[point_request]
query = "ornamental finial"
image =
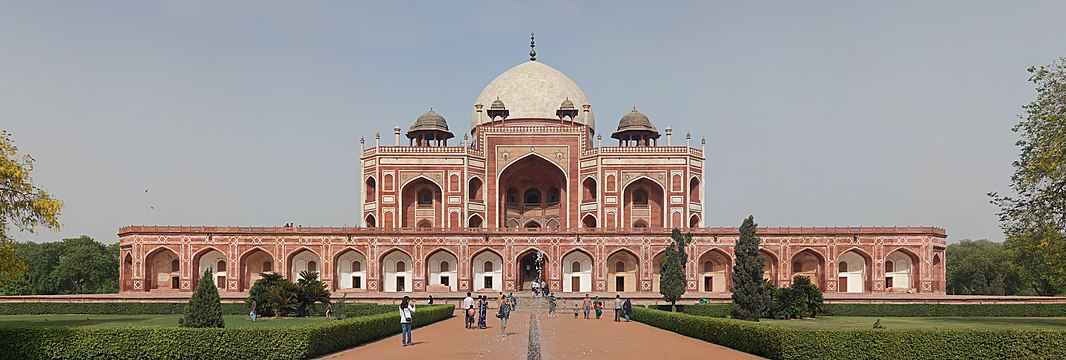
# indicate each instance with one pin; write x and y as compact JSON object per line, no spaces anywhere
{"x":532,"y":51}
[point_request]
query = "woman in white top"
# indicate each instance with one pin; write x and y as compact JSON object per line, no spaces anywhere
{"x":407,"y":309}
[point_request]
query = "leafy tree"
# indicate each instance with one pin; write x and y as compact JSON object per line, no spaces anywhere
{"x":812,"y":295}
{"x":310,"y":291}
{"x":982,"y":267}
{"x":672,"y":281}
{"x":72,"y":266}
{"x":1034,"y":220}
{"x":787,"y":303}
{"x":205,"y":307}
{"x":23,"y":206}
{"x":750,"y":298}
{"x":266,"y":302}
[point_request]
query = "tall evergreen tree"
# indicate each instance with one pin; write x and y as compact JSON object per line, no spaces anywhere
{"x":750,"y":298}
{"x":205,"y":307}
{"x":672,"y":281}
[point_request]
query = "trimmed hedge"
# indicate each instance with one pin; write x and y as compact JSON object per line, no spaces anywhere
{"x":155,"y":308}
{"x":297,"y":342}
{"x":777,"y":342}
{"x":907,"y":310}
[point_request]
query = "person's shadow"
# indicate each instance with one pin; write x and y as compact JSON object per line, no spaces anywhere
{"x":416,"y":343}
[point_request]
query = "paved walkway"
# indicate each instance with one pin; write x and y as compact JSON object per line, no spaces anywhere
{"x":562,"y":337}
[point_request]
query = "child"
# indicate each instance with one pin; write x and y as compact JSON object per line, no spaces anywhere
{"x":470,"y":315}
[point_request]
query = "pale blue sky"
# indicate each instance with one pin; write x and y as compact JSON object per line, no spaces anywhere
{"x":816,"y":113}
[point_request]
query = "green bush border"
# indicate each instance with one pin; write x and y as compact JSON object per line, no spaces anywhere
{"x":297,"y":342}
{"x":906,"y":310}
{"x":155,"y":308}
{"x":778,"y":342}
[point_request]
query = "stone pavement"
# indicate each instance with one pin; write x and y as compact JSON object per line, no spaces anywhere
{"x":562,"y":337}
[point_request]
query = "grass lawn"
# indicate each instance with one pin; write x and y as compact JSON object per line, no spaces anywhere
{"x":104,"y":321}
{"x":858,"y":322}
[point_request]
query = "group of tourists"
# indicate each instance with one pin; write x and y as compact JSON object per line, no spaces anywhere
{"x":621,"y":308}
{"x":540,"y":288}
{"x":476,"y":310}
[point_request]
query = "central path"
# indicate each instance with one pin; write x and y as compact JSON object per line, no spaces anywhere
{"x":534,"y":335}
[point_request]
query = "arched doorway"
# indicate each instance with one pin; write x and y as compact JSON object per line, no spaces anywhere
{"x":474,"y":190}
{"x":769,"y":266}
{"x":303,"y":260}
{"x":536,"y":190}
{"x":370,"y":221}
{"x":441,"y":269}
{"x":656,"y":269}
{"x":715,"y":269}
{"x":253,"y":264}
{"x":531,"y":267}
{"x":643,"y":204}
{"x":938,"y":274}
{"x":127,"y":272}
{"x":853,"y":272}
{"x":577,"y":272}
{"x":396,"y":271}
{"x":215,"y":261}
{"x":422,"y":203}
{"x":900,"y":273}
{"x":488,"y":271}
{"x":163,"y":270}
{"x":589,"y":222}
{"x":588,"y":190}
{"x":623,"y":272}
{"x":475,"y":221}
{"x":810,"y":264}
{"x":351,"y":270}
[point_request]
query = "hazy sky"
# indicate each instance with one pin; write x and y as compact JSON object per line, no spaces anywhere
{"x":249,"y":112}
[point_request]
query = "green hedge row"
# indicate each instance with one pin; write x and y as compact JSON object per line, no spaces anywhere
{"x":297,"y":342}
{"x":906,"y":310}
{"x":777,"y":342}
{"x":156,"y":308}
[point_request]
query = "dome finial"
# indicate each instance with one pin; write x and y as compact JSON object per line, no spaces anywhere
{"x":532,"y":51}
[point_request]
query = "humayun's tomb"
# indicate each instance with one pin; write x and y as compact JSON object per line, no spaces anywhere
{"x":533,"y":183}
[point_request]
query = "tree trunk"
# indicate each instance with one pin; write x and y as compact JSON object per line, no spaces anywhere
{"x":673,"y":306}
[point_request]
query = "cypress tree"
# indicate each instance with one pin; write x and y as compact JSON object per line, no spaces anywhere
{"x":205,"y":307}
{"x":750,"y":297}
{"x":672,"y":282}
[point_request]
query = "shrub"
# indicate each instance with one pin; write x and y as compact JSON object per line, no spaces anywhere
{"x":811,"y":295}
{"x":297,"y":342}
{"x":205,"y":308}
{"x":911,"y":310}
{"x":788,"y":303}
{"x":777,"y":342}
{"x":309,"y":291}
{"x":107,"y":308}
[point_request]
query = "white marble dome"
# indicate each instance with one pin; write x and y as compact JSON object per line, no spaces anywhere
{"x":532,"y":90}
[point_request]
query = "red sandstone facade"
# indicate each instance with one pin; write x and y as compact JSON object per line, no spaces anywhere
{"x":534,"y":196}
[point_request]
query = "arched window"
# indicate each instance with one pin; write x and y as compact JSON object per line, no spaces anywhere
{"x":371,"y":189}
{"x":842,"y":267}
{"x":890,"y":266}
{"x":797,"y":267}
{"x":532,"y":224}
{"x":575,"y":266}
{"x":443,"y":266}
{"x":475,"y":190}
{"x":475,"y":222}
{"x":640,"y":197}
{"x":221,"y":266}
{"x":370,"y":222}
{"x":589,"y":193}
{"x":312,"y":266}
{"x":267,"y":266}
{"x":708,"y":266}
{"x":512,"y":195}
{"x":532,"y":197}
{"x":174,"y":265}
{"x":488,"y":266}
{"x":553,"y":195}
{"x":401,"y":266}
{"x":425,"y":224}
{"x":357,"y":266}
{"x":425,"y":198}
{"x":640,"y":224}
{"x":620,"y":266}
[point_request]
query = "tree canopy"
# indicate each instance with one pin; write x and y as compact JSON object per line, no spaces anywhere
{"x":23,"y":206}
{"x":981,"y":267}
{"x":78,"y":265}
{"x":1034,"y":219}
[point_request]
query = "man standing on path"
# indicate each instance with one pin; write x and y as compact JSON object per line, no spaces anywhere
{"x":588,"y":305}
{"x":468,"y":303}
{"x":617,"y":308}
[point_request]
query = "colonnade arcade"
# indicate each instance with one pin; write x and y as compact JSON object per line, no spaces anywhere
{"x":479,"y":264}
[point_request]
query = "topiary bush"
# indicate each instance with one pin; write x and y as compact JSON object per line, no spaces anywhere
{"x":205,"y":307}
{"x":910,"y":310}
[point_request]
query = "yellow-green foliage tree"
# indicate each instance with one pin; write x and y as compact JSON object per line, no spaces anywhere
{"x":1034,"y":219}
{"x":23,"y":206}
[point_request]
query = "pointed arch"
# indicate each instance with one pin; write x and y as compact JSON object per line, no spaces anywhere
{"x":475,"y":221}
{"x":159,"y":272}
{"x":853,"y":271}
{"x":487,"y":270}
{"x":905,"y":272}
{"x":811,"y":263}
{"x":416,"y":206}
{"x":370,"y":222}
{"x":396,"y":270}
{"x":530,"y":267}
{"x":253,"y":263}
{"x":770,"y":265}
{"x":589,"y":221}
{"x":623,"y":270}
{"x":588,"y":189}
{"x":524,"y":182}
{"x":202,"y":264}
{"x":644,"y":199}
{"x":475,"y":189}
{"x":578,"y":259}
{"x":715,"y":268}
{"x":441,"y":270}
{"x":302,"y":259}
{"x":349,"y":266}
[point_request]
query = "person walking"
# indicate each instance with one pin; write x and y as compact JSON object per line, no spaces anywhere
{"x":544,"y":288}
{"x":551,"y":305}
{"x":483,"y":307}
{"x":617,"y":308}
{"x":598,"y":306}
{"x":511,"y":300}
{"x":627,"y":308}
{"x":468,"y":303}
{"x":407,"y":309}
{"x":587,"y":305}
{"x":504,"y":313}
{"x":252,"y":313}
{"x":430,"y":302}
{"x":535,"y":286}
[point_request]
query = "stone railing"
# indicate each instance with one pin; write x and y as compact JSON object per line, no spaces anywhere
{"x":710,"y":231}
{"x":684,"y":150}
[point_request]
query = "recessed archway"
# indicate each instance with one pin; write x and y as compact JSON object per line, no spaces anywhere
{"x":588,"y":190}
{"x":127,"y":272}
{"x":396,"y":271}
{"x":589,"y":221}
{"x":488,"y":271}
{"x":163,"y":270}
{"x":853,"y":272}
{"x":531,"y":266}
{"x":422,"y":204}
{"x":901,"y":274}
{"x":214,"y":260}
{"x":810,"y":264}
{"x":536,"y":189}
{"x":577,"y":272}
{"x":474,"y":191}
{"x":769,"y":266}
{"x":715,"y":271}
{"x":303,"y":260}
{"x":656,"y":270}
{"x":254,"y":263}
{"x":623,"y":271}
{"x":475,"y":221}
{"x":441,"y":270}
{"x":350,"y":267}
{"x":643,"y":203}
